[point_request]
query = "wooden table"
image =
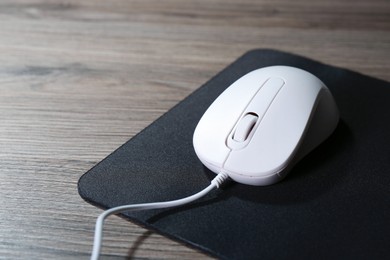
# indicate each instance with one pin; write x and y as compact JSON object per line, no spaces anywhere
{"x":79,"y":78}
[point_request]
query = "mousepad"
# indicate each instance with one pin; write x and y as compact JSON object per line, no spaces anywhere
{"x":335,"y":203}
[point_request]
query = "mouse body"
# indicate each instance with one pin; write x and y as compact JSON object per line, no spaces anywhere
{"x":264,"y":123}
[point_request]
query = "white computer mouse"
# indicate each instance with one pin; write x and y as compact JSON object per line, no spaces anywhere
{"x":265,"y":122}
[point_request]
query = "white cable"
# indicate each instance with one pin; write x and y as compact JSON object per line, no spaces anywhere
{"x":215,"y":183}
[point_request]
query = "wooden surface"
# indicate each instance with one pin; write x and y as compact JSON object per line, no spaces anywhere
{"x":79,"y":78}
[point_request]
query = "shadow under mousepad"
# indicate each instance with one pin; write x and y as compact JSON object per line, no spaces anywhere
{"x":335,"y":203}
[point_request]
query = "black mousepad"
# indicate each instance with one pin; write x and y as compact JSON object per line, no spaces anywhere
{"x":335,"y":203}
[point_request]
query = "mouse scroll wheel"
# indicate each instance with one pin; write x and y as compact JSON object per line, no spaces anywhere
{"x":244,"y":127}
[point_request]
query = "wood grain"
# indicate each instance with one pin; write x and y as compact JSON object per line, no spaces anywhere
{"x":79,"y":78}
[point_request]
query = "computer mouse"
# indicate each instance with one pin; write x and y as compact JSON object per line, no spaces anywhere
{"x":264,"y":123}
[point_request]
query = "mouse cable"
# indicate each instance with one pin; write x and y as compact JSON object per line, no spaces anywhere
{"x":215,"y":183}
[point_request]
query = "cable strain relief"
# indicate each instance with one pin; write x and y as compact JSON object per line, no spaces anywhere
{"x":220,"y":179}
